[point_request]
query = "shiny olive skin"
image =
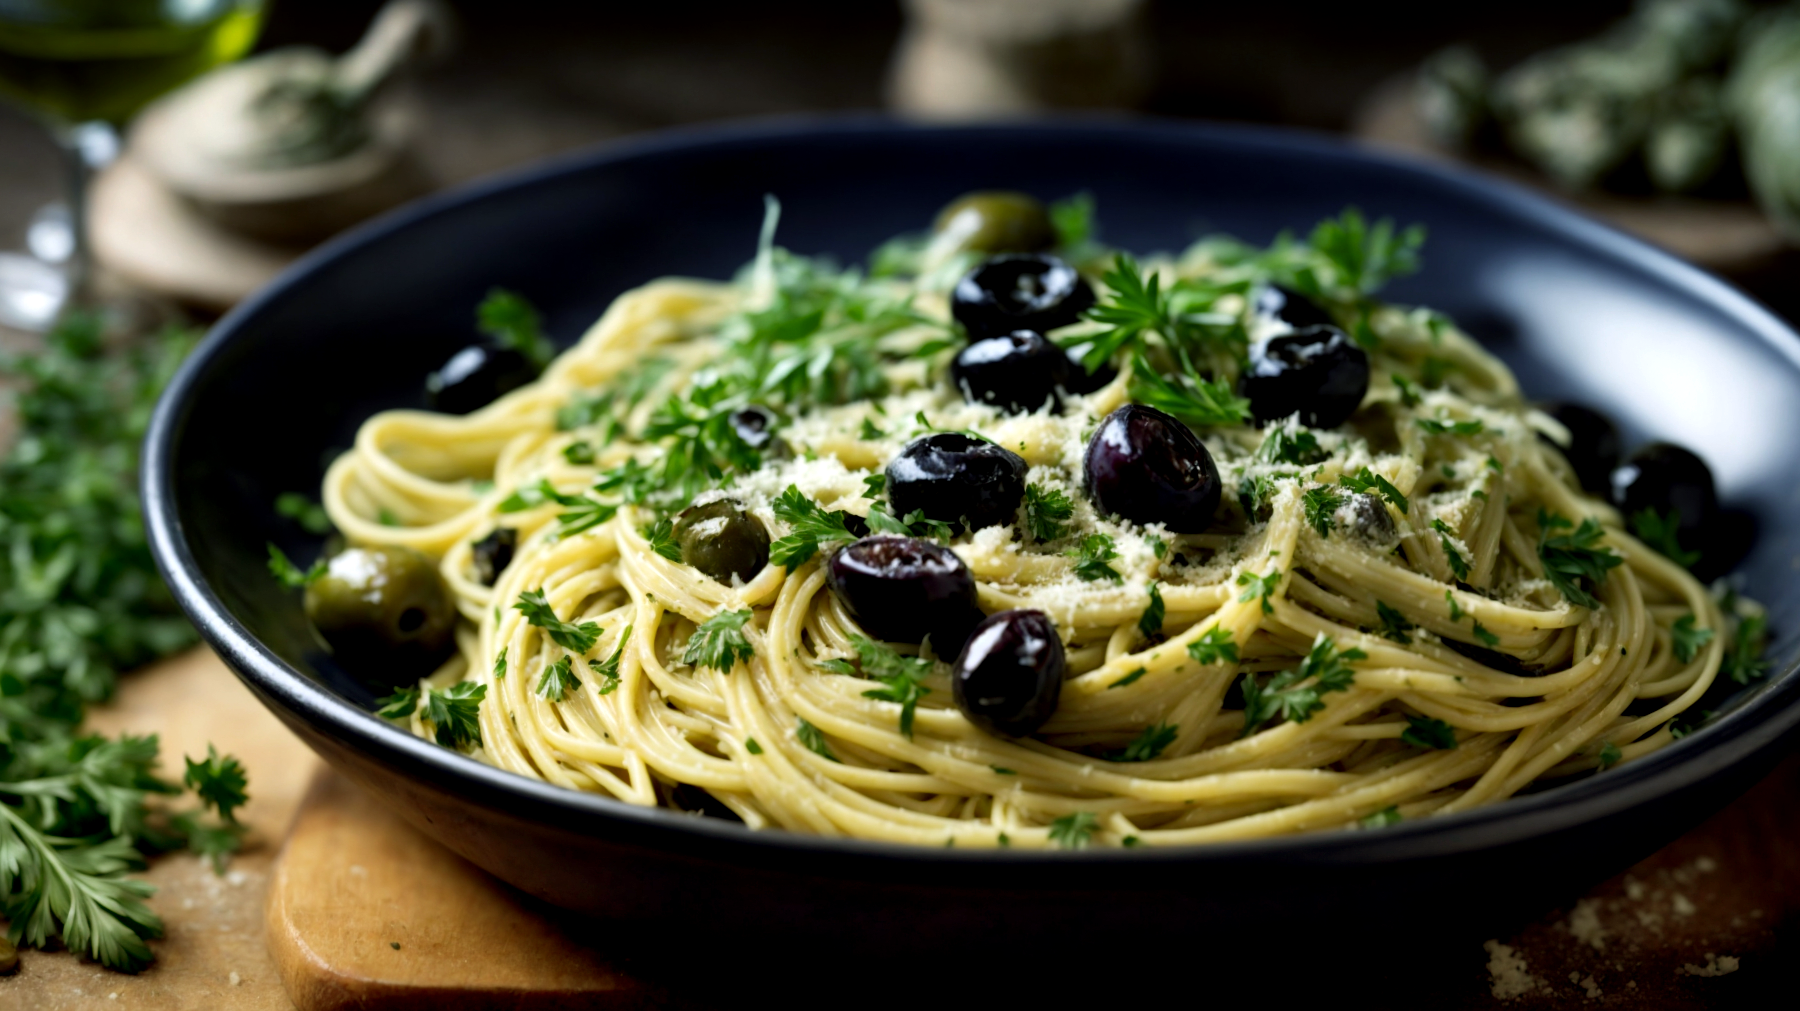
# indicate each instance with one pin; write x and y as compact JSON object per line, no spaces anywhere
{"x":755,"y":425}
{"x":722,"y":540}
{"x":1009,"y":677}
{"x":1081,"y":382}
{"x":903,"y":589}
{"x":966,"y":482}
{"x":1366,"y":518}
{"x":1018,"y":372}
{"x":476,"y":376}
{"x":1148,"y":467}
{"x":1594,"y":445}
{"x":493,"y":553}
{"x":1034,"y":291}
{"x":1664,"y":478}
{"x":385,"y":612}
{"x":997,"y":221}
{"x":1318,"y":372}
{"x":1289,"y":306}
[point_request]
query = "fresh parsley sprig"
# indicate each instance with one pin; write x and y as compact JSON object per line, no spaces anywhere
{"x":1151,"y":621}
{"x":811,"y":528}
{"x":1661,"y":533}
{"x":1047,"y":512}
{"x":291,"y":575}
{"x":1743,"y":658}
{"x":1394,"y":625}
{"x":1074,"y":831}
{"x":1687,"y":640}
{"x":1368,"y":482}
{"x":576,"y":638}
{"x":1215,"y":647}
{"x":1148,"y":745}
{"x":719,"y":641}
{"x":1428,"y":733}
{"x":1459,"y":566}
{"x":1091,"y":558}
{"x":1195,"y":400}
{"x":608,"y":669}
{"x":915,"y":524}
{"x":1321,"y":503}
{"x":661,"y":536}
{"x":513,"y":322}
{"x":1575,"y":563}
{"x":1297,"y":694}
{"x":1262,"y":586}
{"x":455,"y":714}
{"x":902,"y":677}
{"x":558,"y":680}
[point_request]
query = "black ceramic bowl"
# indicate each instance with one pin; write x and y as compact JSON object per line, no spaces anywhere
{"x":1578,"y":310}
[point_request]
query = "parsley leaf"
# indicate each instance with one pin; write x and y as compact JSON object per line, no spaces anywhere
{"x":288,"y":573}
{"x":914,"y":525}
{"x":812,"y":528}
{"x":1575,"y":563}
{"x":1368,"y":482}
{"x":1296,"y":695}
{"x":1394,"y":624}
{"x":719,"y":642}
{"x":1456,"y":613}
{"x":1459,"y":566}
{"x":1147,"y":745}
{"x":1129,"y":678}
{"x":1256,"y":586}
{"x":1130,"y":307}
{"x":752,"y":747}
{"x":608,"y":669}
{"x":1321,"y":503}
{"x":500,"y":663}
{"x":398,"y":706}
{"x":1151,"y":621}
{"x":661,"y":536}
{"x":870,"y":432}
{"x":579,"y":452}
{"x":535,"y":606}
{"x":558,"y":679}
{"x":1199,"y":402}
{"x":1659,"y":532}
{"x":1363,"y":258}
{"x":1609,"y":755}
{"x":511,"y":321}
{"x":813,"y":740}
{"x":1425,"y":732}
{"x":1047,"y":510}
{"x":455,"y":714}
{"x":309,"y":514}
{"x":1297,"y":446}
{"x":1687,"y":640}
{"x":1445,"y":427}
{"x":1389,"y":815}
{"x":218,"y":781}
{"x":1074,"y":831}
{"x":1215,"y":647}
{"x":1485,"y":637}
{"x":1091,"y":558}
{"x":1743,"y":659}
{"x":903,"y":677}
{"x":1409,"y":393}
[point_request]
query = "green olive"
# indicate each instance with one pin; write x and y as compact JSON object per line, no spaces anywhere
{"x":385,"y":612}
{"x":722,"y":540}
{"x":998,"y":221}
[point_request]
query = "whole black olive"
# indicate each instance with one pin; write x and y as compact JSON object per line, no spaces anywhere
{"x":1594,"y":446}
{"x":1317,"y":371}
{"x":1081,"y":382}
{"x":1147,"y":467}
{"x":902,"y":589}
{"x":1009,"y":677}
{"x":493,"y":553}
{"x":1665,"y":478}
{"x":722,"y":540}
{"x":966,"y":482}
{"x":1290,"y":307}
{"x":1017,"y":373}
{"x":1366,"y":518}
{"x":1033,"y":291}
{"x":386,"y":614}
{"x":755,"y":425}
{"x":997,"y":221}
{"x":476,"y":376}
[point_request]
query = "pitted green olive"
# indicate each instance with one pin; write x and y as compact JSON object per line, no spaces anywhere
{"x":385,"y":612}
{"x":997,"y":221}
{"x":722,"y":540}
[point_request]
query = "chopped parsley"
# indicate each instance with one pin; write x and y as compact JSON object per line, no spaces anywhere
{"x":661,"y":536}
{"x":1151,"y":621}
{"x":1296,"y":446}
{"x":1130,"y":307}
{"x":813,"y":739}
{"x":455,"y":714}
{"x":1129,"y":678}
{"x":1660,"y":533}
{"x":1370,"y":483}
{"x":1360,"y":258}
{"x":1456,"y":613}
{"x":1091,"y":557}
{"x":583,"y":513}
{"x":1425,"y":732}
{"x":752,"y":747}
{"x":558,"y":679}
{"x":1444,"y":427}
{"x":579,"y":452}
{"x":1575,"y":563}
{"x":535,"y":606}
{"x":500,"y":664}
{"x":1409,"y":394}
{"x":902,"y":677}
{"x":302,"y":510}
{"x":1743,"y":658}
{"x":1147,"y":745}
{"x":812,"y":528}
{"x":290,"y":574}
{"x":1609,"y":755}
{"x":1389,"y":815}
{"x":398,"y":706}
{"x":1459,"y":566}
{"x":1197,"y":401}
{"x":1215,"y":647}
{"x":608,"y":669}
{"x":1003,"y":771}
{"x":874,"y":485}
{"x":719,"y":642}
{"x":512,"y":322}
{"x":914,"y":525}
{"x":1158,"y":546}
{"x":870,"y":431}
{"x":1688,"y":640}
{"x":1485,"y":637}
{"x":1047,"y":511}
{"x":1259,"y":586}
{"x":1073,"y":831}
{"x":1394,"y":624}
{"x":1297,"y":694}
{"x":1321,"y":503}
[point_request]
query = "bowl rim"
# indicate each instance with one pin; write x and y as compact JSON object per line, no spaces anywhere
{"x":1761,"y":722}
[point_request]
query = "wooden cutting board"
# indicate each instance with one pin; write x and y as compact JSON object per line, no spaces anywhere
{"x":1699,"y":925}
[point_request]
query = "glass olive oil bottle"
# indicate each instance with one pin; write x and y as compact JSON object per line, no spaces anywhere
{"x":76,"y":61}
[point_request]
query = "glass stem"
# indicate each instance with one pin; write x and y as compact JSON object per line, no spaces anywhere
{"x":86,"y":149}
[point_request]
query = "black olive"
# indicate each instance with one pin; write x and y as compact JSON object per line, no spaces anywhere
{"x":1081,"y":382}
{"x":1147,"y":467}
{"x":1317,"y":371}
{"x":476,"y":376}
{"x":1594,"y":447}
{"x":966,"y":482}
{"x":1664,"y":478}
{"x":1503,"y":662}
{"x":386,"y":614}
{"x":902,"y":589}
{"x":755,"y":425}
{"x":1290,"y":307}
{"x":1030,"y":291}
{"x":1366,"y":517}
{"x":722,"y":540}
{"x":998,"y":221}
{"x":1018,"y":372}
{"x":1009,"y":677}
{"x":494,"y":553}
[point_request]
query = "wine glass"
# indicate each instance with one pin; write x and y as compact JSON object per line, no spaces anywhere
{"x":85,"y":67}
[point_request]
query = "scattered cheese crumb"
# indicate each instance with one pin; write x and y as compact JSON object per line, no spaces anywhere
{"x":1706,"y":865}
{"x":1633,"y":889}
{"x":1682,"y":906}
{"x":1509,"y":976}
{"x":358,"y":869}
{"x":236,"y":980}
{"x":1584,"y":923}
{"x":1588,"y":984}
{"x":1723,"y":965}
{"x":113,"y":996}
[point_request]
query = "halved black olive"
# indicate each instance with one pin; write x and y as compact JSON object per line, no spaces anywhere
{"x":966,"y":482}
{"x":722,"y":540}
{"x":1594,"y":445}
{"x":386,"y":614}
{"x":1018,"y":372}
{"x":998,"y":221}
{"x":1148,"y":467}
{"x":755,"y":425}
{"x":1318,"y":372}
{"x":493,"y":553}
{"x":902,"y":589}
{"x":476,"y":376}
{"x":1366,"y":518}
{"x":1666,"y":479}
{"x":1033,"y":291}
{"x":1008,"y":679}
{"x":1289,"y":306}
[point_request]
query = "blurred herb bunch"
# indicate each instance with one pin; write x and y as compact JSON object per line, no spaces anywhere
{"x":1660,"y":97}
{"x":80,"y":601}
